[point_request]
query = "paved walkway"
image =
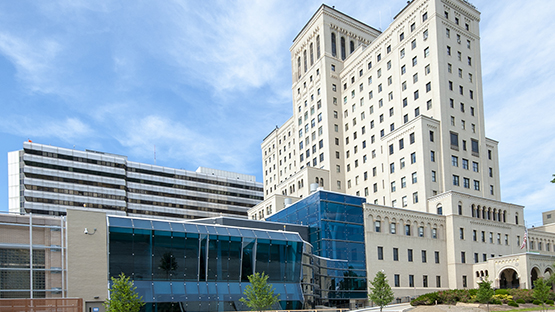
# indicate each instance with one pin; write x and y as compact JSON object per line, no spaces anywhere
{"x":390,"y":308}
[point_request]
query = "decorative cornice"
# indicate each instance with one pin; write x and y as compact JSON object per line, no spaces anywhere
{"x":462,"y":10}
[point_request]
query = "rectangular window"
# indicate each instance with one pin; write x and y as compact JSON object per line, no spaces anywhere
{"x":380,"y":253}
{"x":424,"y":256}
{"x":409,"y":255}
{"x":413,"y":158}
{"x":436,"y":256}
{"x":395,"y":254}
{"x":475,"y":147}
{"x":397,"y":280}
{"x":411,"y":280}
{"x":463,"y":257}
{"x":456,"y":180}
{"x":454,"y":140}
{"x":425,"y":281}
{"x":432,"y":156}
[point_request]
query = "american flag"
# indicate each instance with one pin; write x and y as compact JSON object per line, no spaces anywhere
{"x":525,"y":238}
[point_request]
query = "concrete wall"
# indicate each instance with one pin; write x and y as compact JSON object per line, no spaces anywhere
{"x":87,"y":259}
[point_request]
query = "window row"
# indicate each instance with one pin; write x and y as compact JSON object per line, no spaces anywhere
{"x":305,"y":56}
{"x":409,"y":255}
{"x":407,"y":229}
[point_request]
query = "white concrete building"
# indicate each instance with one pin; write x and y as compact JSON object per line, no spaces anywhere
{"x":397,"y":117}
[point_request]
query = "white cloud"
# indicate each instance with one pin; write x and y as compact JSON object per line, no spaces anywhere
{"x":32,"y":59}
{"x":175,"y":141}
{"x":68,"y":130}
{"x":517,"y":58}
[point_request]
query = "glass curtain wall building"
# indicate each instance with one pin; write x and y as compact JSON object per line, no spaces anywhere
{"x":196,"y":267}
{"x":336,"y":232}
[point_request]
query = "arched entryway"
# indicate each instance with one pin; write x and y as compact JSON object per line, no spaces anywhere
{"x":508,"y":278}
{"x":534,"y":275}
{"x":548,"y":272}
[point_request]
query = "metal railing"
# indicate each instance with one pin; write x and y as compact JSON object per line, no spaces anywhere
{"x":42,"y":305}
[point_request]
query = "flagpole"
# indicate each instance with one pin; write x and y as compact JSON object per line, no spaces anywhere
{"x":527,"y":240}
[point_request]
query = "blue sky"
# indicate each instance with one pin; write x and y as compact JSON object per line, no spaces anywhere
{"x":195,"y":78}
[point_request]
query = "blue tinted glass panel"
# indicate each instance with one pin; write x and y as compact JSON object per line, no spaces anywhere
{"x":177,"y":227}
{"x":357,"y":201}
{"x":223,"y":289}
{"x":162,"y":291}
{"x":261,"y":234}
{"x":211,"y":229}
{"x":234,"y":232}
{"x":190,"y":228}
{"x":202,"y":229}
{"x":336,"y":197}
{"x":276,"y":235}
{"x":178,"y":288}
{"x":212,"y":289}
{"x":234,"y":289}
{"x":221,"y":230}
{"x":247,"y":233}
{"x":144,"y":289}
{"x":191,"y":288}
{"x":142,"y":224}
{"x":143,"y":254}
{"x":121,"y":222}
{"x":203,"y":290}
{"x":160,"y":225}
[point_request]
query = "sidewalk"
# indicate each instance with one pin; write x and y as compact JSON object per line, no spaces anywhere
{"x":401,"y":307}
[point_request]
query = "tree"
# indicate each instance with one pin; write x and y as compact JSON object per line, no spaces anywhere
{"x":541,"y":291}
{"x":380,"y":292}
{"x":123,"y":296}
{"x":553,"y":181}
{"x":485,"y":292}
{"x":168,"y":263}
{"x":260,"y":294}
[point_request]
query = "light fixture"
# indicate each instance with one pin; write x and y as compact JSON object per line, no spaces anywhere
{"x":87,"y":232}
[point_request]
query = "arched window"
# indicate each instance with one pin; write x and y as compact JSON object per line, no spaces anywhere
{"x":473,"y":211}
{"x":352,"y":46}
{"x":494,"y":214}
{"x":439,"y":210}
{"x":343,"y":53}
{"x":299,"y":66}
{"x":311,"y":54}
{"x":317,"y":180}
{"x":317,"y":47}
{"x":305,"y":61}
{"x":322,"y":182}
{"x":333,"y":45}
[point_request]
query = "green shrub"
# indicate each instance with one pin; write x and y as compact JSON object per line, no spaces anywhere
{"x":521,"y":301}
{"x":453,"y":296}
{"x":537,"y":302}
{"x":425,"y":299}
{"x":524,"y":294}
{"x":503,"y":298}
{"x":472,"y":292}
{"x":495,"y":301}
{"x":501,"y":292}
{"x":512,"y":304}
{"x":549,"y":301}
